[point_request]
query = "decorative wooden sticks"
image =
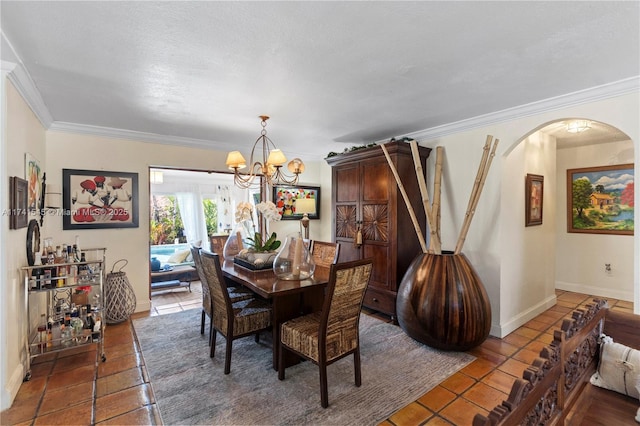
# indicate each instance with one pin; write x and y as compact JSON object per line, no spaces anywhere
{"x":478,"y":184}
{"x":434,"y":240}
{"x":412,"y":213}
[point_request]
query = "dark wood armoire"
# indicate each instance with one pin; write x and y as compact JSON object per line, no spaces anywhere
{"x":366,"y":198}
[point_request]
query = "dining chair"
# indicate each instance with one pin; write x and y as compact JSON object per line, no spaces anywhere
{"x":217,"y":243}
{"x":235,"y":294}
{"x":232,"y":319}
{"x":331,"y":334}
{"x":324,"y":253}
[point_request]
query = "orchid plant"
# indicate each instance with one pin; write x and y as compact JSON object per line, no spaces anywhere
{"x":256,"y":243}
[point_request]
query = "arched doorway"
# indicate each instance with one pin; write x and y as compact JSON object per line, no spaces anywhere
{"x":548,"y":256}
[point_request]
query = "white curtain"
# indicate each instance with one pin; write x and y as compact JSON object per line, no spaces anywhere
{"x":192,"y":214}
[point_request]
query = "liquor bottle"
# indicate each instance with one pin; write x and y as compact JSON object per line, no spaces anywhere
{"x":83,"y":268}
{"x":76,"y":255}
{"x":89,"y":323}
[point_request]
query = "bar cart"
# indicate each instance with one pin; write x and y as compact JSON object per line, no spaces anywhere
{"x":65,"y":305}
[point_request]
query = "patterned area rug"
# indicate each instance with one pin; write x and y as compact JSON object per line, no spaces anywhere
{"x":191,"y":388}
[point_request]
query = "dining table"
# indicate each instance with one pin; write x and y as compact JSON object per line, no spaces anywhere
{"x":289,"y":298}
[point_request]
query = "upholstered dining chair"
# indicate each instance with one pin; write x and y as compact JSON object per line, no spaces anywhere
{"x":324,"y":253}
{"x":331,"y":334}
{"x":232,"y":320}
{"x":235,"y":294}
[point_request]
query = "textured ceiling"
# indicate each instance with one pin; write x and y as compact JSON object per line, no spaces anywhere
{"x":330,"y":74}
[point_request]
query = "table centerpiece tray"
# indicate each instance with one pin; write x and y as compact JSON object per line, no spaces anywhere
{"x":247,"y":264}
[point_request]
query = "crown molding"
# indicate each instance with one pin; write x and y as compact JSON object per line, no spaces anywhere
{"x":592,"y":94}
{"x":110,"y":132}
{"x":7,"y":66}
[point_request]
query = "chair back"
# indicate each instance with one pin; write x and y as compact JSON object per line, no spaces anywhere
{"x":206,"y":296}
{"x":341,"y":311}
{"x":220,"y":301}
{"x":324,"y":253}
{"x":217,"y":243}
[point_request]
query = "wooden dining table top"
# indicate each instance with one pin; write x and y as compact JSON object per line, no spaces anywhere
{"x":266,"y":284}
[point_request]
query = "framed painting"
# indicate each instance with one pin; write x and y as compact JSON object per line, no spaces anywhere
{"x":34,"y":177}
{"x":533,"y":192}
{"x":94,"y":199}
{"x":600,"y":200}
{"x":18,"y":198}
{"x":294,"y":201}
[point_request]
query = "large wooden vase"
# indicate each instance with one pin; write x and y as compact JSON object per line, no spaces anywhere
{"x":442,"y":302}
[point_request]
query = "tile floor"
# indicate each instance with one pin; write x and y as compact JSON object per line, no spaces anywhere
{"x":73,"y":387}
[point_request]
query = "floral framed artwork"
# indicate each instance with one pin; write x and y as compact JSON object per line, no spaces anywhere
{"x":285,"y":198}
{"x":600,"y":200}
{"x":533,"y":190}
{"x":33,"y":175}
{"x":94,"y":199}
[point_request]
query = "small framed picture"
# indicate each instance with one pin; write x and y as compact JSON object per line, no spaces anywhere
{"x":18,"y":199}
{"x":293,"y":202}
{"x":94,"y":199}
{"x":533,"y":190}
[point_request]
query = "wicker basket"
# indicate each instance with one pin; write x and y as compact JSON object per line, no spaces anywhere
{"x":120,"y":299}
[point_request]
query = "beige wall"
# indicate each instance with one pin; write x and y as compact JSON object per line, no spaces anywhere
{"x":527,"y":269}
{"x":24,"y":133}
{"x":581,"y":257}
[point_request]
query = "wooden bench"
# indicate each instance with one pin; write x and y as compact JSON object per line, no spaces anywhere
{"x":165,"y":285}
{"x":555,"y":389}
{"x":180,"y":276}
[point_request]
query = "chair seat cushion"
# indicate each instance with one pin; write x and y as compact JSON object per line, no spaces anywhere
{"x":236,"y":294}
{"x":301,"y":335}
{"x":250,"y":315}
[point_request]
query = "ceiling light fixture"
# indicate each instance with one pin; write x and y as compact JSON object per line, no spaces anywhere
{"x":578,"y":126}
{"x":271,"y":166}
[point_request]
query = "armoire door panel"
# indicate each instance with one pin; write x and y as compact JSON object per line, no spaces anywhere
{"x":375,"y":181}
{"x":346,"y":221}
{"x":349,"y":251}
{"x":375,"y":222}
{"x":381,"y":272}
{"x":349,"y":188}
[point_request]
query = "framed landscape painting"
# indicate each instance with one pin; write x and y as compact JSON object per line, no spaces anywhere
{"x":600,"y":200}
{"x":94,"y":199}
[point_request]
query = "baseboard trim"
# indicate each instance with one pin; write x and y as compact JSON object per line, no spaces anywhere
{"x":143,"y":306}
{"x":525,"y":316}
{"x":595,"y":291}
{"x":13,"y":386}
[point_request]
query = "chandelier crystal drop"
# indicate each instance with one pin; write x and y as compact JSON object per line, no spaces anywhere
{"x":270,"y":167}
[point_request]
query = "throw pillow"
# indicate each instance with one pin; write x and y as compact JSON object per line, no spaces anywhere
{"x":619,"y":368}
{"x":638,"y":389}
{"x":178,"y":257}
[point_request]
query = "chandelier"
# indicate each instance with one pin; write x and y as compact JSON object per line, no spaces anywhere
{"x":270,"y":168}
